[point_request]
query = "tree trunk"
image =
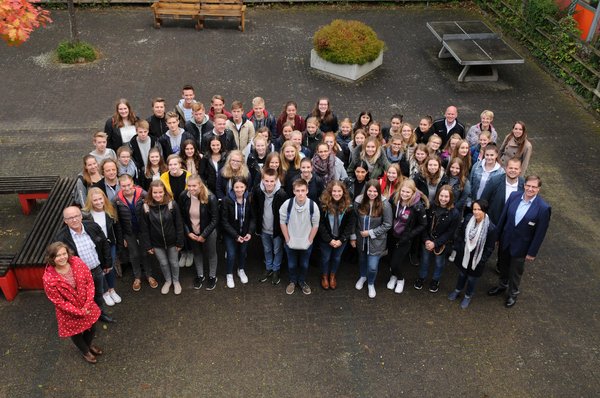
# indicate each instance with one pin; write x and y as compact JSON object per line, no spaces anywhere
{"x":73,"y":22}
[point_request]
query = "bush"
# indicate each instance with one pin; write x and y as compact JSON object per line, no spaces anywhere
{"x":75,"y":53}
{"x":347,"y":42}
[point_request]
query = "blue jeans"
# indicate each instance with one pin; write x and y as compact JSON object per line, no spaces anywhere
{"x":109,"y":278}
{"x":368,"y":265}
{"x":471,"y":281}
{"x":273,"y":249}
{"x":330,"y":257}
{"x":235,"y":251}
{"x":298,"y":258}
{"x":426,"y":258}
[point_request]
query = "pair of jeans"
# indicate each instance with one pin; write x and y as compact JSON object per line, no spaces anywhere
{"x":298,"y":259}
{"x":331,"y":257}
{"x":208,"y":248}
{"x":236,"y":253}
{"x":273,"y":249}
{"x":83,"y":340}
{"x":400,"y":255}
{"x":368,"y":265}
{"x":426,"y":258}
{"x":109,"y":279}
{"x":169,"y":262}
{"x":137,"y":257}
{"x":471,"y":281}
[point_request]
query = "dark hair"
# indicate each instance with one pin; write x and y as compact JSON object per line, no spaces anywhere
{"x":299,"y":182}
{"x":448,"y":188}
{"x":363,"y":165}
{"x":188,"y":87}
{"x":364,"y":207}
{"x":533,"y":177}
{"x":397,"y":116}
{"x":239,"y":179}
{"x":358,"y":124}
{"x":483,"y":204}
{"x":52,"y":251}
{"x":195,"y":156}
{"x":157,"y":184}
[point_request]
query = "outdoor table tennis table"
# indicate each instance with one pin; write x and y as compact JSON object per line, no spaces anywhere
{"x":473,"y":43}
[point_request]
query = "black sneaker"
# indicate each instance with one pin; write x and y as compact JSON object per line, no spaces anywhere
{"x":434,"y":286}
{"x":265,"y":276}
{"x":212,"y":282}
{"x":275,"y":278}
{"x":418,"y":284}
{"x":198,"y":281}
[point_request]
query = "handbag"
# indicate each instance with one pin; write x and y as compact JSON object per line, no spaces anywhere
{"x":441,"y":249}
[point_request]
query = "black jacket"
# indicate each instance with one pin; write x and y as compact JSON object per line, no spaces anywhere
{"x":347,"y":226}
{"x":258,"y":205}
{"x":439,"y":128}
{"x":495,"y":194}
{"x":231,"y":223}
{"x":209,"y":214}
{"x":165,"y":143}
{"x":137,"y":155}
{"x":115,"y":141}
{"x":157,"y":126}
{"x":488,"y":249}
{"x":125,"y":216}
{"x":199,"y":133}
{"x":95,"y":232}
{"x":112,"y":227}
{"x":161,"y":227}
{"x":227,"y":140}
{"x":416,"y":221}
{"x":422,"y":186}
{"x":441,"y":226}
{"x":208,"y":172}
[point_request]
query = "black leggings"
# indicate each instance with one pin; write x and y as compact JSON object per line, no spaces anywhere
{"x":84,"y":339}
{"x":399,"y":256}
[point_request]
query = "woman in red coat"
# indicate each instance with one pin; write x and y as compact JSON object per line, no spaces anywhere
{"x":69,"y":285}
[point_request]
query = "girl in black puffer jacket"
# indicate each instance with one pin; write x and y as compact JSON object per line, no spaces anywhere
{"x":162,"y":233}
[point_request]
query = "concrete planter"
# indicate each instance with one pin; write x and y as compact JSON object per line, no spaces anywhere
{"x":351,"y":72}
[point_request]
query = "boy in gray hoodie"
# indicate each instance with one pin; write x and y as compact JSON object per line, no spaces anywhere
{"x":299,"y":221}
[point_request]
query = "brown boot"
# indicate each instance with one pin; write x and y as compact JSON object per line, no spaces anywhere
{"x":332,"y":281}
{"x":324,"y":281}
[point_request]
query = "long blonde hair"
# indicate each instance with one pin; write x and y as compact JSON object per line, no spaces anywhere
{"x":228,"y":172}
{"x":108,"y":207}
{"x":203,"y":195}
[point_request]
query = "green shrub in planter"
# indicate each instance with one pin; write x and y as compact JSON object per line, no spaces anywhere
{"x":74,"y":53}
{"x":347,"y":42}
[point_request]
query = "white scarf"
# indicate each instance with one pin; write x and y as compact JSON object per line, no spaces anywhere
{"x":475,"y":236}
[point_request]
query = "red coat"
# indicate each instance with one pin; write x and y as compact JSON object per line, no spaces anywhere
{"x":76,"y":310}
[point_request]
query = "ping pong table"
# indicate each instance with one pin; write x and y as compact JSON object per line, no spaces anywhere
{"x":473,"y":43}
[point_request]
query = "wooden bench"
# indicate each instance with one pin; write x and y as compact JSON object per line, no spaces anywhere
{"x":8,"y":280}
{"x":223,"y":9}
{"x":29,"y":263}
{"x":29,"y":189}
{"x":176,"y":9}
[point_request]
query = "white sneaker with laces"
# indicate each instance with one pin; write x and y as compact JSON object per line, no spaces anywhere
{"x":392,"y":283}
{"x":108,"y":300}
{"x":399,"y":286}
{"x":360,"y":283}
{"x":371,"y":291}
{"x":113,"y":295}
{"x":177,"y":287}
{"x":243,"y":276}
{"x":230,"y":282}
{"x":166,"y":287}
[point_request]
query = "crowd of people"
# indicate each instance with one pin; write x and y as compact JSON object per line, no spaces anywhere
{"x":322,"y":187}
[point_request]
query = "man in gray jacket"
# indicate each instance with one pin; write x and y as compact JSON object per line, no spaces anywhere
{"x":299,"y":221}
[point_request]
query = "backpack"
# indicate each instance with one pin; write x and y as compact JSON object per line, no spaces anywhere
{"x":291,"y":204}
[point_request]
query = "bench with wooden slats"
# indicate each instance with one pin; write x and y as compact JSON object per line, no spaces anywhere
{"x":29,"y":262}
{"x":223,"y":9}
{"x":29,"y":189}
{"x":176,"y":9}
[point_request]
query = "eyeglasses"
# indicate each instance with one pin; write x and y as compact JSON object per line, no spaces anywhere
{"x":72,"y":218}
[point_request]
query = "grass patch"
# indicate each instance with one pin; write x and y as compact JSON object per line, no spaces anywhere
{"x":75,"y":53}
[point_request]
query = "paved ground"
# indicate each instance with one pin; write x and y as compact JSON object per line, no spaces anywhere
{"x":255,"y":340}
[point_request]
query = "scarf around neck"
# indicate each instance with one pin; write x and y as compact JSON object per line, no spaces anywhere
{"x":475,"y":237}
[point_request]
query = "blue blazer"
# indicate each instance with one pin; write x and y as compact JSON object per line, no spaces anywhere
{"x":495,"y":194}
{"x":526,"y":237}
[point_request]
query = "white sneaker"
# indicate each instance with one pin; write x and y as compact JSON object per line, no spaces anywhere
{"x":230,"y":282}
{"x":360,"y":283}
{"x":182,"y":259}
{"x":371,"y":291}
{"x":189,"y":261}
{"x":166,"y":287}
{"x":113,"y":295}
{"x":399,"y":286}
{"x":392,"y":283}
{"x":243,"y":276}
{"x":177,"y":287}
{"x":452,"y":256}
{"x":108,"y":300}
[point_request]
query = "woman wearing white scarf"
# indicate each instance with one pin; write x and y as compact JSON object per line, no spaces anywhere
{"x":479,"y":238}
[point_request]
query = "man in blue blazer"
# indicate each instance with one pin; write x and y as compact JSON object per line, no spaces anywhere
{"x":522,"y":227}
{"x":499,"y":187}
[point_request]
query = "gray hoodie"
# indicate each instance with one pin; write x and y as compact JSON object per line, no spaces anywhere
{"x":268,"y":218}
{"x":300,"y":223}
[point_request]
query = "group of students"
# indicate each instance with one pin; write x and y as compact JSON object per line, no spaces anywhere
{"x":176,"y":183}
